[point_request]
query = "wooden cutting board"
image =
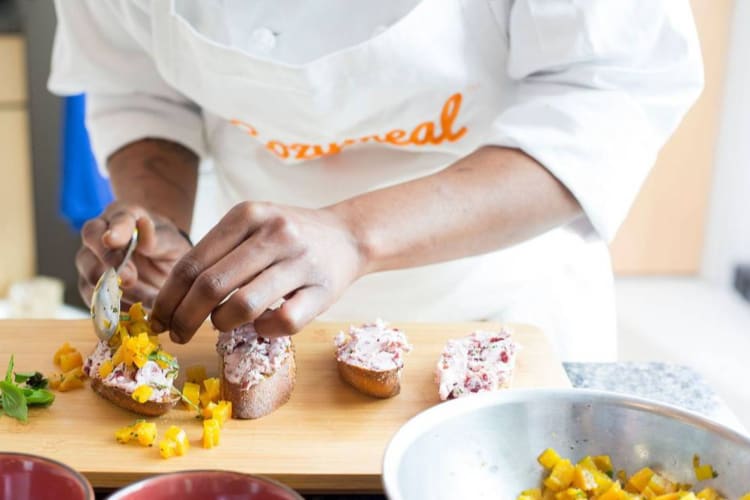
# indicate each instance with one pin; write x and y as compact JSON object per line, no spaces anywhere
{"x":327,"y":438}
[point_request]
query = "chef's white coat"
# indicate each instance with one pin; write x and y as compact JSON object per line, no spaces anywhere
{"x":308,"y":103}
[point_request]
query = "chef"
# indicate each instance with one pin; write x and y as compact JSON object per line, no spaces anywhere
{"x":433,"y":160}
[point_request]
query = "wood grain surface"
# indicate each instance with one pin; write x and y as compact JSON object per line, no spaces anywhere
{"x":328,"y":438}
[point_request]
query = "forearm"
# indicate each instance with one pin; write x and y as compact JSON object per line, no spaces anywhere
{"x":491,"y":199}
{"x":158,"y":175}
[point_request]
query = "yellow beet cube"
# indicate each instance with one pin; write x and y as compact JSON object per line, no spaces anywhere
{"x":191,"y":392}
{"x":196,"y":374}
{"x":142,"y":393}
{"x":708,"y":494}
{"x":64,"y":349}
{"x":669,"y":496}
{"x":583,"y":479}
{"x":639,"y":480}
{"x":212,"y":391}
{"x":561,"y":476}
{"x":604,"y":463}
{"x":691,"y":496}
{"x":54,"y":380}
{"x":124,"y":434}
{"x":72,"y":379}
{"x":105,"y":369}
{"x":549,"y":458}
{"x":746,"y":496}
{"x":614,"y":493}
{"x":570,"y":494}
{"x":167,"y":448}
{"x":70,"y":360}
{"x":145,"y":432}
{"x":588,"y":463}
{"x":211,"y":433}
{"x":703,"y":472}
{"x":180,"y":439}
{"x":531,"y":494}
{"x":661,"y":485}
{"x":137,"y":313}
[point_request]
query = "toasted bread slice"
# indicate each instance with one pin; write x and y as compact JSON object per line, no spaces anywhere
{"x":264,"y":397}
{"x":381,"y":384}
{"x":123,"y":399}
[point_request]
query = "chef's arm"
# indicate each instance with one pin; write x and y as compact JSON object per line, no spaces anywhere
{"x":158,"y":175}
{"x":491,"y":199}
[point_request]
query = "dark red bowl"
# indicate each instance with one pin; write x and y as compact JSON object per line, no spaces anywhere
{"x":30,"y":477}
{"x":206,"y":485}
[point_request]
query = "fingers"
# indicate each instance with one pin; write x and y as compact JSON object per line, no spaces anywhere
{"x":296,"y":312}
{"x":212,"y":286}
{"x":121,"y":221}
{"x":253,"y":299}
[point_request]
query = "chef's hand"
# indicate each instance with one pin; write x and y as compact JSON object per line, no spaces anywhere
{"x":104,"y":240}
{"x":265,"y":252}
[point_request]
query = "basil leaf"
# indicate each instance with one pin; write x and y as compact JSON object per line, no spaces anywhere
{"x":38,"y":397}
{"x":14,"y":402}
{"x":9,"y":372}
{"x":20,"y":378}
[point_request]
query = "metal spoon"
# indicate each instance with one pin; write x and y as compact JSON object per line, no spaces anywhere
{"x":105,"y":301}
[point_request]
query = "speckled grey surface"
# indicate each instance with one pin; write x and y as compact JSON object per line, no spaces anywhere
{"x":673,"y":384}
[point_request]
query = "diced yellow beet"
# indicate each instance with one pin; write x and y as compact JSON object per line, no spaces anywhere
{"x":661,"y":485}
{"x":583,"y":479}
{"x":668,"y":496}
{"x":145,"y":432}
{"x":548,"y":494}
{"x":105,"y":368}
{"x":167,"y":448}
{"x":212,"y":390}
{"x":570,"y":494}
{"x":211,"y":433}
{"x":613,"y":493}
{"x":746,"y":496}
{"x":191,"y":392}
{"x":72,"y":379}
{"x":690,"y":496}
{"x":603,"y":463}
{"x":196,"y":374}
{"x":703,"y":472}
{"x":137,"y":313}
{"x":124,"y":434}
{"x":648,"y":493}
{"x":622,"y":476}
{"x":70,"y":360}
{"x":639,"y":480}
{"x":603,"y":482}
{"x":117,"y":357}
{"x":708,"y":494}
{"x":531,"y":494}
{"x":549,"y":458}
{"x":588,"y":463}
{"x":64,"y":349}
{"x":54,"y":380}
{"x":561,"y":476}
{"x":179,"y":437}
{"x":142,"y":393}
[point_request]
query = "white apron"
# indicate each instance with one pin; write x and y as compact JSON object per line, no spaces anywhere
{"x":402,"y":104}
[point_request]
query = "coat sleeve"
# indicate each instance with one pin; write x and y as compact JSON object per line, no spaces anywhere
{"x":598,"y":88}
{"x":101,"y":49}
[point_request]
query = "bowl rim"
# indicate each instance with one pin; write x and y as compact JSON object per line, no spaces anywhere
{"x":80,"y":478}
{"x":443,"y":411}
{"x":139,"y":484}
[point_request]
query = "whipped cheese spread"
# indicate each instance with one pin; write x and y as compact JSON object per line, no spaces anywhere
{"x":481,"y":362}
{"x":373,"y":346}
{"x":249,"y":358}
{"x":129,"y":378}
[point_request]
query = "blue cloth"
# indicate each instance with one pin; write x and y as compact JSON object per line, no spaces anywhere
{"x":84,"y":192}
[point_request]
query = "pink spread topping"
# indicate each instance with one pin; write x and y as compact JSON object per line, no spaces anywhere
{"x":248,"y":358}
{"x":480,"y":362}
{"x":373,"y":346}
{"x":128,"y":379}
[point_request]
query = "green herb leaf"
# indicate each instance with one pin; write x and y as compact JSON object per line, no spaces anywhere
{"x":14,"y":402}
{"x":20,"y":378}
{"x":38,"y":397}
{"x":9,"y":372}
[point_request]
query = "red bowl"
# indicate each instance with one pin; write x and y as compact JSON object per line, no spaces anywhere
{"x":27,"y":477}
{"x":206,"y":485}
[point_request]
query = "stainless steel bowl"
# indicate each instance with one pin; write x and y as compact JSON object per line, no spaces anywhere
{"x":485,"y":446}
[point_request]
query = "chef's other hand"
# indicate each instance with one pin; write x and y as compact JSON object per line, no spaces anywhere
{"x":263,"y":253}
{"x":103,"y":243}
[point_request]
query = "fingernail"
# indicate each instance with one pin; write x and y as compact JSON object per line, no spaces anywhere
{"x":156,"y":326}
{"x":173,"y":336}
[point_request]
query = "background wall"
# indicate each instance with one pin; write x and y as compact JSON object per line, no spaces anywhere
{"x":728,"y":229}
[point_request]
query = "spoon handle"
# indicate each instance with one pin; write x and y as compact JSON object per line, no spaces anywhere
{"x":131,"y":247}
